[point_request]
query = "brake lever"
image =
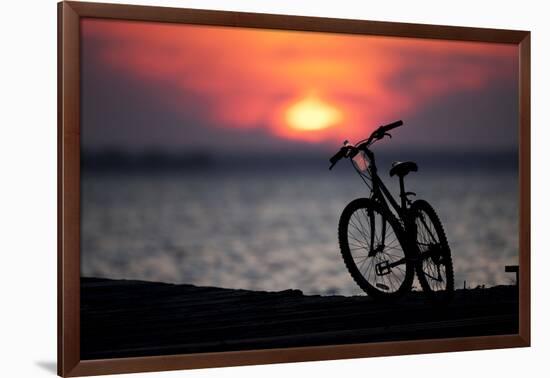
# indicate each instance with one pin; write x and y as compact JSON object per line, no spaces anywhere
{"x":381,"y":135}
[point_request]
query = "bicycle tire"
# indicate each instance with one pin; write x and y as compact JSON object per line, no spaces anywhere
{"x":440,"y":257}
{"x":370,"y":286}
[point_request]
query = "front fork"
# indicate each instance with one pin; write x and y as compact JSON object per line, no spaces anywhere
{"x":374,"y":249}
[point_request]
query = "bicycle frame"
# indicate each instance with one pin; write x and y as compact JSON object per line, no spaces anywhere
{"x":382,"y":194}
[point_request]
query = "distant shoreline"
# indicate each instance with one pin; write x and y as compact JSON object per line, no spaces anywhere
{"x":154,"y":161}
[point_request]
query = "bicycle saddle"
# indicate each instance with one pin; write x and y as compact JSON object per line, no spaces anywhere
{"x":402,"y":168}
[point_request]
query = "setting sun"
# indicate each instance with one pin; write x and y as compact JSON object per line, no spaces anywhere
{"x":311,"y":113}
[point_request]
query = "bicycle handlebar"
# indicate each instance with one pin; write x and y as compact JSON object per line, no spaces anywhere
{"x":339,"y":155}
{"x":392,"y":126}
{"x":380,"y":133}
{"x":377,"y":134}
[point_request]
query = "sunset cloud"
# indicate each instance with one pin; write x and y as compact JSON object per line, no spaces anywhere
{"x":249,"y":79}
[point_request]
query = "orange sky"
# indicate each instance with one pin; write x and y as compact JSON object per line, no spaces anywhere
{"x":269,"y":79}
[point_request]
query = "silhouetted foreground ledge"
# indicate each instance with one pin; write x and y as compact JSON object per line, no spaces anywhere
{"x":134,"y":318}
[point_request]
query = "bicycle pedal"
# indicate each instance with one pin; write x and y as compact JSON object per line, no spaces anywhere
{"x":383,"y":268}
{"x":382,"y":286}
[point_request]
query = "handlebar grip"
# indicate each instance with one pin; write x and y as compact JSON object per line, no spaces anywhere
{"x":339,"y":155}
{"x":391,"y":126}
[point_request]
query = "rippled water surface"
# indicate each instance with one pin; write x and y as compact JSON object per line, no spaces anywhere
{"x":276,"y":230}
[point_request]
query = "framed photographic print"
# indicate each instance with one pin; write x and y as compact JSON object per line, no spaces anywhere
{"x":239,"y":188}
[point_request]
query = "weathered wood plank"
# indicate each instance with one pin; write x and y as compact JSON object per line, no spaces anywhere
{"x":133,"y":318}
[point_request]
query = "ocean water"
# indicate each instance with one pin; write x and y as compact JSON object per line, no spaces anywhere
{"x":276,"y":229}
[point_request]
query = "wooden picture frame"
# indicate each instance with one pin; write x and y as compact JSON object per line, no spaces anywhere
{"x":69,"y":361}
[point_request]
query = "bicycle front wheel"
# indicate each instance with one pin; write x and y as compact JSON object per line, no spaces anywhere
{"x":372,"y":245}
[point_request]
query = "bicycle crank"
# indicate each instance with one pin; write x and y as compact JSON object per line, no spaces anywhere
{"x":385,"y":267}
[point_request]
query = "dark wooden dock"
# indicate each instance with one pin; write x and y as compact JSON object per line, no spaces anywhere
{"x":133,"y":318}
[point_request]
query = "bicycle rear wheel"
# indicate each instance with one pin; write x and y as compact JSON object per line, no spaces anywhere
{"x":434,"y":266}
{"x":372,"y":245}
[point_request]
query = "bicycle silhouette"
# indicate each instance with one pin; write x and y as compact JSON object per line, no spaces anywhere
{"x":382,"y":248}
